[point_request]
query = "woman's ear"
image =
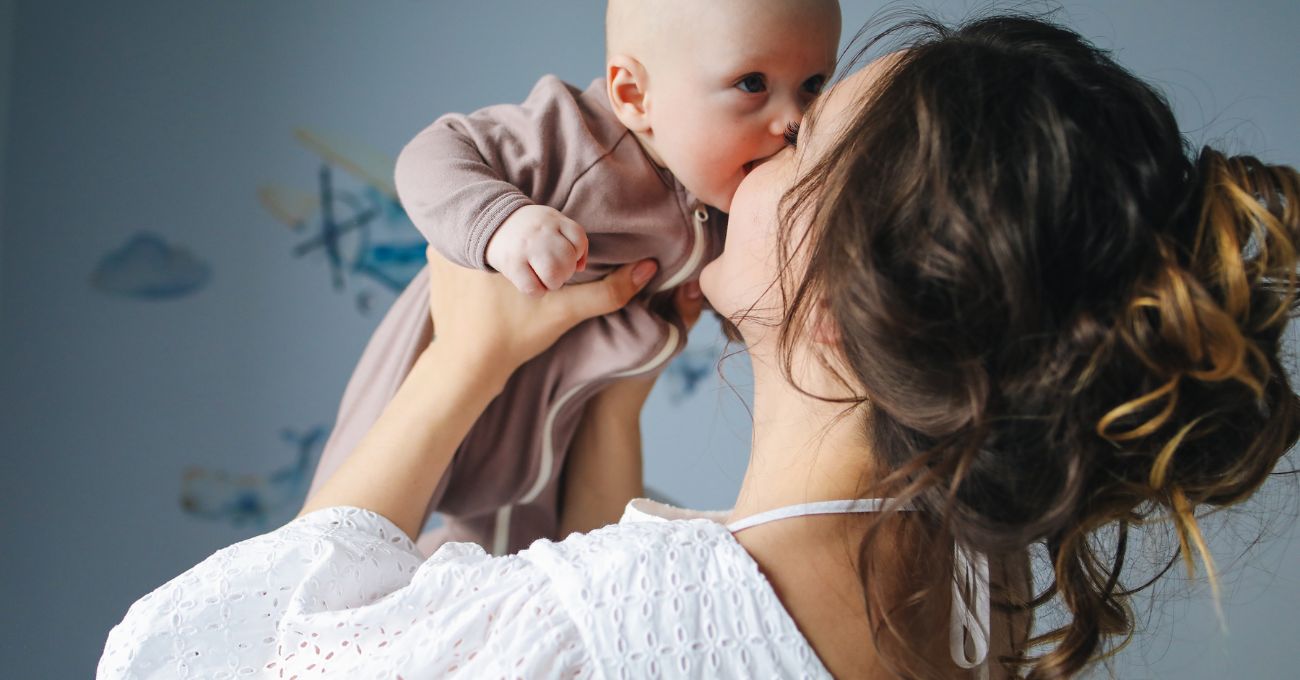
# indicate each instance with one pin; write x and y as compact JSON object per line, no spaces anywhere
{"x":824,"y":329}
{"x":625,"y":80}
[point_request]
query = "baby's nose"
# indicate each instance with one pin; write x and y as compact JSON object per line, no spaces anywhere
{"x":783,"y":117}
{"x":780,"y":124}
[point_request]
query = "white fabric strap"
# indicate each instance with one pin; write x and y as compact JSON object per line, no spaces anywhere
{"x":818,"y":508}
{"x":970,"y":613}
{"x":970,"y":575}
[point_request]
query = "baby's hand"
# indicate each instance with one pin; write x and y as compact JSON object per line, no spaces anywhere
{"x":538,"y":249}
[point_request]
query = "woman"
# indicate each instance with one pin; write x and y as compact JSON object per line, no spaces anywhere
{"x":989,"y":302}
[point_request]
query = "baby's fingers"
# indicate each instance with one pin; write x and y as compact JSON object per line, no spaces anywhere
{"x":522,"y":276}
{"x":556,"y":265}
{"x":577,"y":238}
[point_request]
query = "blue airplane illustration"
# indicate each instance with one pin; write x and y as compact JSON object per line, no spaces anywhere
{"x":344,"y":222}
{"x":249,"y":499}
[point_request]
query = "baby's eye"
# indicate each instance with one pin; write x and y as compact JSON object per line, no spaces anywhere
{"x":792,"y":134}
{"x":814,"y":84}
{"x":752,"y":83}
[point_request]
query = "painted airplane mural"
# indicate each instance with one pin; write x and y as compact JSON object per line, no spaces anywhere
{"x":353,"y":217}
{"x":261,"y":501}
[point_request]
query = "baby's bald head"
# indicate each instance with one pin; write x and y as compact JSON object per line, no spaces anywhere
{"x":650,"y":30}
{"x":632,"y":26}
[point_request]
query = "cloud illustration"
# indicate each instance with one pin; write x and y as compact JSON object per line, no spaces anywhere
{"x":146,"y":267}
{"x":692,"y":367}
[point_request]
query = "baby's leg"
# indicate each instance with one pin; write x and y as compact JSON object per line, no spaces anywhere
{"x":403,"y":333}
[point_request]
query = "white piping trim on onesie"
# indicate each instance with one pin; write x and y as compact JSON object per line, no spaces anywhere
{"x":548,"y":450}
{"x":501,"y":532}
{"x":499,"y":537}
{"x":700,"y":216}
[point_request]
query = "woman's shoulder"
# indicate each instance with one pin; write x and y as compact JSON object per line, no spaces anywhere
{"x":669,"y":591}
{"x":651,"y":537}
{"x":344,"y":590}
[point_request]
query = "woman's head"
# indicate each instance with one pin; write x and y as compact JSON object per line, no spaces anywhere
{"x":1057,"y":320}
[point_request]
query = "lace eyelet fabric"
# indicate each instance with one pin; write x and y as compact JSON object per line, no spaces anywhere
{"x":343,"y":592}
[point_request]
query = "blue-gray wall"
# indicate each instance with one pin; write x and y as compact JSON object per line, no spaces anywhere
{"x":6,"y":75}
{"x":168,"y":117}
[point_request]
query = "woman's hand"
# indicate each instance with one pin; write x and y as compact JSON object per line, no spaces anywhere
{"x":484,"y":328}
{"x":483,"y":318}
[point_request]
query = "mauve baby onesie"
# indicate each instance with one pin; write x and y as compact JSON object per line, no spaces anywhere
{"x":459,"y":179}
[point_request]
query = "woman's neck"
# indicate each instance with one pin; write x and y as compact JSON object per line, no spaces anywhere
{"x":802,"y":450}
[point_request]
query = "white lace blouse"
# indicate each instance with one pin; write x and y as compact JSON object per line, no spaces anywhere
{"x":343,"y":592}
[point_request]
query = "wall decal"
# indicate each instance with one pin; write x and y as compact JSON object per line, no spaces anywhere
{"x":353,"y":218}
{"x":689,"y":369}
{"x":148,"y":268}
{"x":262,"y":501}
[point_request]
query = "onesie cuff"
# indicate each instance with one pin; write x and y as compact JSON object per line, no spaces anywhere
{"x":489,"y":220}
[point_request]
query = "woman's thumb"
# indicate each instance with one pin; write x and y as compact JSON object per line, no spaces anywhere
{"x":642,"y":272}
{"x":610,"y":293}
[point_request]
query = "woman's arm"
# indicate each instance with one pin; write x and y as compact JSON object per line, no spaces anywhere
{"x":483,"y":330}
{"x":400,"y":461}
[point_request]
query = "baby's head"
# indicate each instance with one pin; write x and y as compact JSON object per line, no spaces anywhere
{"x":710,"y":86}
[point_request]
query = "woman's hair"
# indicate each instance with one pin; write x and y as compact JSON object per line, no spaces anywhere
{"x":1062,"y":322}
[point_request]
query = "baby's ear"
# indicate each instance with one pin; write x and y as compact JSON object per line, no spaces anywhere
{"x":625,"y":81}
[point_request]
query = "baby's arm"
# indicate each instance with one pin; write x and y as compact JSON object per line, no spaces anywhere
{"x":464,"y":179}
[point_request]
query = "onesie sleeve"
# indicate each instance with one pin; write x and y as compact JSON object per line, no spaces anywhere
{"x":462,"y":176}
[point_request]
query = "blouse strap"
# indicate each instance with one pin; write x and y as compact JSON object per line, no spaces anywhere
{"x":970,"y":588}
{"x":818,"y":508}
{"x":970,"y":617}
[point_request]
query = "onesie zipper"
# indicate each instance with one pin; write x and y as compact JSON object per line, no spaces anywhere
{"x":501,"y":531}
{"x":700,"y":215}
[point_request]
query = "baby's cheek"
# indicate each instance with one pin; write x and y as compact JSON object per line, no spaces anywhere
{"x":724,"y":175}
{"x":726,"y":200}
{"x":719,"y":144}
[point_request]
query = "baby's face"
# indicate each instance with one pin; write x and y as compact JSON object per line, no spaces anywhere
{"x":746,"y":71}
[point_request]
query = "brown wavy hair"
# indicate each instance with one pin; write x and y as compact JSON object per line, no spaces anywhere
{"x":1062,"y":321}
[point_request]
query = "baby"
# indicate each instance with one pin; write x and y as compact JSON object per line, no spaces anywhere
{"x":568,"y":186}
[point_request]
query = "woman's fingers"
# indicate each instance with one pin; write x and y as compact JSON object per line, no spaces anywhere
{"x":592,"y":299}
{"x":484,"y":315}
